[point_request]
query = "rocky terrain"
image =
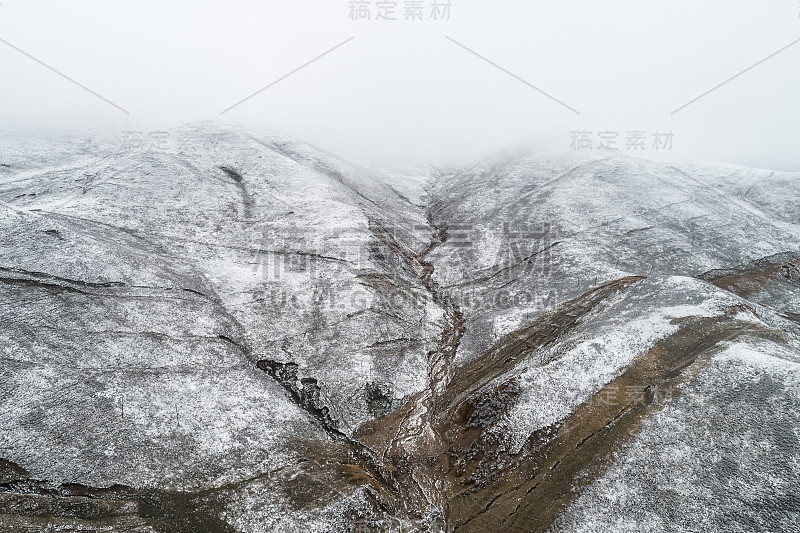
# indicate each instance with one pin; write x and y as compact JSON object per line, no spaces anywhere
{"x":239,"y":332}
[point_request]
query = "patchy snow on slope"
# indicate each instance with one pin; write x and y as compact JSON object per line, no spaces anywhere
{"x":722,"y":457}
{"x":604,"y":345}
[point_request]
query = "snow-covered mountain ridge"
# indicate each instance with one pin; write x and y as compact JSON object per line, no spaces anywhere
{"x":252,"y":334}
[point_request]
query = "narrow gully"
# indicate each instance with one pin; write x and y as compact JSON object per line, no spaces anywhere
{"x":417,"y":438}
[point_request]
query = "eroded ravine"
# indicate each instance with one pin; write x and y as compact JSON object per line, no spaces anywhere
{"x":443,"y":460}
{"x":406,"y":474}
{"x":416,"y":441}
{"x":478,"y":483}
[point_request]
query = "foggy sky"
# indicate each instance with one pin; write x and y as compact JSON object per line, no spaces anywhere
{"x":401,"y":91}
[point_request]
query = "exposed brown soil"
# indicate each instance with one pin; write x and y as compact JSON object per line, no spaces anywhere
{"x":557,"y":463}
{"x":451,"y":453}
{"x":748,"y":279}
{"x":487,"y":488}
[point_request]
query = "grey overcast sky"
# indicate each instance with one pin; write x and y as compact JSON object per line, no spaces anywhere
{"x":416,"y":90}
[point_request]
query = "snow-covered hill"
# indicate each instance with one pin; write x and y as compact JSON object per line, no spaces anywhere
{"x":252,"y":334}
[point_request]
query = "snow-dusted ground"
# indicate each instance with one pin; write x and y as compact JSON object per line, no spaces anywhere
{"x":603,"y":346}
{"x":721,"y":457}
{"x":141,"y":287}
{"x":540,"y":229}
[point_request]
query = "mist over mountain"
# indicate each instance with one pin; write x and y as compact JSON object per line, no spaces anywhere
{"x":237,"y":331}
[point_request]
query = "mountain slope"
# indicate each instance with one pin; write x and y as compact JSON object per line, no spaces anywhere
{"x":242,"y":332}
